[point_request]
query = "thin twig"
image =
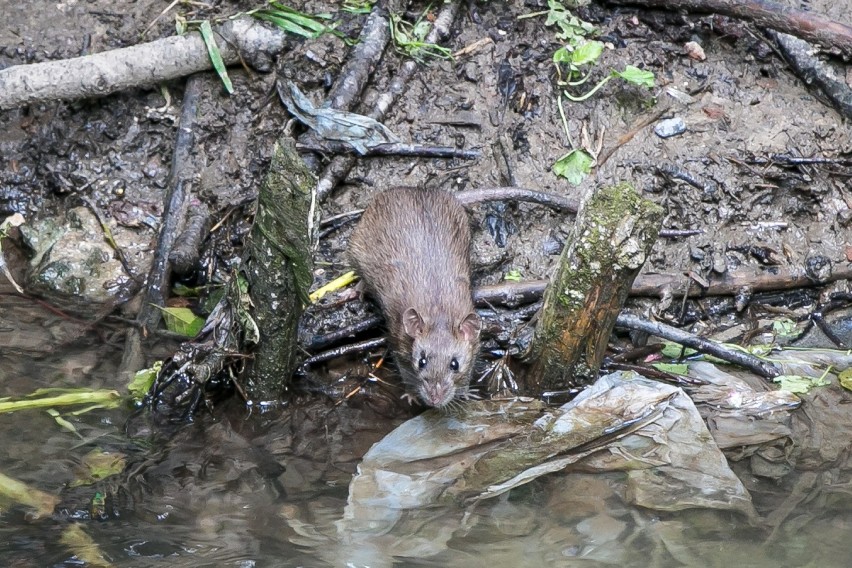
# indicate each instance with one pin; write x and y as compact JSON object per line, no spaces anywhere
{"x":398,"y":149}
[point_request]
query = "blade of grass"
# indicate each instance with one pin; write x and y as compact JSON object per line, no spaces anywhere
{"x":285,"y":24}
{"x":215,"y":55}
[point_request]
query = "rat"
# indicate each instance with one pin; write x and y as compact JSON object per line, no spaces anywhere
{"x":412,"y":250}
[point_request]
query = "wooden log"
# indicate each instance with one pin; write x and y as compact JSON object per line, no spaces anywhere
{"x":279,"y":269}
{"x":611,"y":238}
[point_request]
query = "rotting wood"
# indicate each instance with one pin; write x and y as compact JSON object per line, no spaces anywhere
{"x":279,"y":268}
{"x":187,"y":246}
{"x":145,"y":64}
{"x":808,"y":25}
{"x":610,"y":241}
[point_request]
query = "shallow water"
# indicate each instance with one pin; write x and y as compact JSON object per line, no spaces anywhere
{"x":242,"y":490}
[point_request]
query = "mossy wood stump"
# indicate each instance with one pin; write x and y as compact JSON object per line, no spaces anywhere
{"x":279,"y":269}
{"x":612,"y":236}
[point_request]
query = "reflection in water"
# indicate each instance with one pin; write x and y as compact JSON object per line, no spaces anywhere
{"x":243,"y":491}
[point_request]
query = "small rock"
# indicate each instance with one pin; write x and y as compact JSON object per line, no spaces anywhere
{"x":694,"y":51}
{"x":670,"y":127}
{"x":844,"y":217}
{"x":472,"y":72}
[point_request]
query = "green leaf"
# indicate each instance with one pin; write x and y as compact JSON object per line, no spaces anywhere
{"x":301,"y":19}
{"x":798,"y":384}
{"x":587,"y":52}
{"x":63,"y":422}
{"x":845,"y":378}
{"x":636,"y":76}
{"x":759,"y":349}
{"x":562,"y":55}
{"x":421,"y":29}
{"x":573,"y":166}
{"x":357,"y":6}
{"x":98,"y":465}
{"x":676,"y":350}
{"x":513,"y":275}
{"x":215,"y":55}
{"x":285,"y":25}
{"x":785,"y":327}
{"x":681,"y":369}
{"x":142,"y":381}
{"x":182,"y":321}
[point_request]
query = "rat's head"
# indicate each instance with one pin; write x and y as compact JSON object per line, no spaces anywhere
{"x":442,"y":355}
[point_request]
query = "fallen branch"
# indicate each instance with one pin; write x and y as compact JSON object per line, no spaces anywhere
{"x":779,"y":278}
{"x":174,"y":209}
{"x":800,"y":55}
{"x":360,"y":347}
{"x":471,"y":196}
{"x":108,"y":72}
{"x":320,"y":341}
{"x":513,"y":294}
{"x":763,"y":368}
{"x":767,"y":14}
{"x":390,"y":149}
{"x":340,"y":166}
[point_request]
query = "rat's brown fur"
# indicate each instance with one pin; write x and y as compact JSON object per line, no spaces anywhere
{"x":412,"y":249}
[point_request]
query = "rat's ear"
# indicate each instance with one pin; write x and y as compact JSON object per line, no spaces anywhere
{"x":413,"y":323}
{"x":470,"y":326}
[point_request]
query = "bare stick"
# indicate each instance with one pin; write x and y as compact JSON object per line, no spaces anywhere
{"x":320,"y":341}
{"x":762,"y":368}
{"x":359,"y":347}
{"x":108,"y":72}
{"x":655,"y":285}
{"x":558,"y":202}
{"x":340,"y":166}
{"x":398,"y":149}
{"x":781,"y":278}
{"x":173,"y":217}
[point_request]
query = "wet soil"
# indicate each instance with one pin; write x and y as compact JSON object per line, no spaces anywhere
{"x":741,"y":106}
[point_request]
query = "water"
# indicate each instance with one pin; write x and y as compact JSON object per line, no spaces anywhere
{"x":240,"y":490}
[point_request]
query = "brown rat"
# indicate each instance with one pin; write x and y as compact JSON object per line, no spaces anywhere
{"x":412,"y":250}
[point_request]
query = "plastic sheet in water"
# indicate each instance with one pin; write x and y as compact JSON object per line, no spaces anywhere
{"x":650,"y":431}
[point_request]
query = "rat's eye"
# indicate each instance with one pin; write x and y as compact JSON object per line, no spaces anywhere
{"x":454,"y":364}
{"x":421,"y":363}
